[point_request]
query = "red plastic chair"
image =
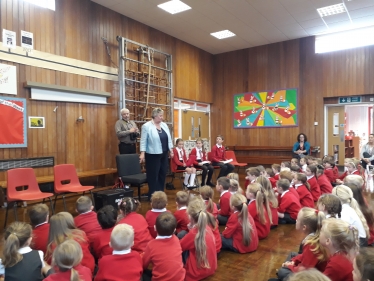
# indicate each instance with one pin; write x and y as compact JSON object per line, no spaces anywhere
{"x":67,"y":173}
{"x":231,"y":155}
{"x":23,"y":177}
{"x":179,"y":174}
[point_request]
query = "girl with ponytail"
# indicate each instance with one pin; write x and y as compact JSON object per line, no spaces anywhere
{"x":19,"y":260}
{"x":240,"y":234}
{"x":66,"y":262}
{"x":311,"y":174}
{"x":198,"y":246}
{"x":272,"y":199}
{"x":207,"y":193}
{"x":303,"y":189}
{"x":351,"y":213}
{"x":259,"y":209}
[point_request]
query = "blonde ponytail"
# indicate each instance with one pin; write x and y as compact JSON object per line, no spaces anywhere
{"x":268,"y":191}
{"x":67,"y":255}
{"x":354,"y":205}
{"x":240,"y":203}
{"x":207,"y":193}
{"x":74,"y":276}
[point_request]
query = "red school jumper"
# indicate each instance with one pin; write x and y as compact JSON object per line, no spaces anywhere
{"x":40,"y":237}
{"x":339,"y":268}
{"x":166,"y":266}
{"x":234,"y":230}
{"x":193,"y":272}
{"x":324,"y":184}
{"x":119,"y":267}
{"x":306,"y":199}
{"x":215,"y":209}
{"x":330,"y":175}
{"x":224,"y":203}
{"x":289,"y":204}
{"x":176,"y":162}
{"x":182,"y":219}
{"x":218,"y":154}
{"x":84,"y":274}
{"x":88,"y":223}
{"x":274,"y":214}
{"x":203,"y":158}
{"x":100,"y":243}
{"x":263,"y":230}
{"x":307,"y":259}
{"x":141,"y":232}
{"x":151,"y":217}
{"x":315,"y":189}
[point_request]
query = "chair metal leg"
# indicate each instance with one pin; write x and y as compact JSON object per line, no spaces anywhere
{"x":54,"y":205}
{"x":63,"y":198}
{"x":93,"y":200}
{"x":139,"y":195}
{"x":6,"y":215}
{"x":43,"y":200}
{"x":15,"y":211}
{"x":51,"y":205}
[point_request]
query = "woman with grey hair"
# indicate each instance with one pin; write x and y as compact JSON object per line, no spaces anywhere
{"x":155,"y":144}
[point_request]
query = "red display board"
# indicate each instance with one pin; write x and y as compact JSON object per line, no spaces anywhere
{"x":13,"y":126}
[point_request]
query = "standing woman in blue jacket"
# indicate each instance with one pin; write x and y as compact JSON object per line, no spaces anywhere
{"x":302,"y":147}
{"x":155,"y":144}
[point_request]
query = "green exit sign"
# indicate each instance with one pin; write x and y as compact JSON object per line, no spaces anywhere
{"x":349,"y":99}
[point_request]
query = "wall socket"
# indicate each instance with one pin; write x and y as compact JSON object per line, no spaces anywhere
{"x":371,"y":99}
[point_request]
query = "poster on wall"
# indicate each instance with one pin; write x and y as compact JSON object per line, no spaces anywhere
{"x":9,"y":39}
{"x":13,"y":129}
{"x":266,"y":109}
{"x":8,"y":79}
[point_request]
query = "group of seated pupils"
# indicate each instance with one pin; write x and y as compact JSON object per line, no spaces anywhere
{"x":330,"y":210}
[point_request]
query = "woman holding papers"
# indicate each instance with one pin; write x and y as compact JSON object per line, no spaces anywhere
{"x":219,"y":158}
{"x":201,"y":162}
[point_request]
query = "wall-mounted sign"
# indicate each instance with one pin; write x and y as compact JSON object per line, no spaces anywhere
{"x":27,"y":40}
{"x":9,"y":39}
{"x":350,"y":100}
{"x":8,"y":79}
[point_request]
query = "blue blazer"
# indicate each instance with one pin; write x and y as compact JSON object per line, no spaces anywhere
{"x":150,"y":140}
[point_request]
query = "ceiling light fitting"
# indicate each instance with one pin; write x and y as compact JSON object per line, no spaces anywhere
{"x":332,"y":10}
{"x":174,"y":7}
{"x":223,"y":34}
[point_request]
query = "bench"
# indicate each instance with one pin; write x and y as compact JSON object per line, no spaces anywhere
{"x":262,"y":155}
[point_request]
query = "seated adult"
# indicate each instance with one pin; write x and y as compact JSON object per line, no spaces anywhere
{"x":367,"y":152}
{"x":301,"y":148}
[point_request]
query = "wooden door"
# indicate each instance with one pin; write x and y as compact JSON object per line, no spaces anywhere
{"x":195,"y":124}
{"x":335,"y":133}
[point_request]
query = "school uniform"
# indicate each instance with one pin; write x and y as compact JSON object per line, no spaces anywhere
{"x":40,"y":235}
{"x":193,"y":272}
{"x":121,"y":265}
{"x":273,"y":182}
{"x":207,"y":169}
{"x":225,"y":210}
{"x":100,"y":243}
{"x":335,"y":172}
{"x":214,"y":212}
{"x":306,"y":199}
{"x":166,"y":266}
{"x":234,"y":232}
{"x":217,"y":237}
{"x":274,"y":216}
{"x":290,"y":206}
{"x":83,"y":272}
{"x":330,"y":175}
{"x":151,"y":217}
{"x":339,"y":268}
{"x":276,"y":177}
{"x":182,"y":219}
{"x":88,"y":223}
{"x":218,"y":154}
{"x":315,"y":190}
{"x":141,"y":232}
{"x":324,"y":184}
{"x":263,"y":230}
{"x":342,"y":176}
{"x":349,"y":215}
{"x":179,"y":158}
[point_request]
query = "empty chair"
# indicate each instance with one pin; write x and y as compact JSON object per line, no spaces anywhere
{"x":28,"y":189}
{"x":128,"y":168}
{"x":231,"y":155}
{"x":66,"y":181}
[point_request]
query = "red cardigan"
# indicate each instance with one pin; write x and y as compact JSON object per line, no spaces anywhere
{"x":100,"y":243}
{"x":315,"y":190}
{"x":40,"y":238}
{"x":263,"y":230}
{"x":194,"y":152}
{"x":324,"y":184}
{"x":193,"y":272}
{"x":141,"y":232}
{"x":84,"y":274}
{"x":218,"y":154}
{"x":289,"y":204}
{"x":182,"y":220}
{"x":234,"y":230}
{"x":127,"y":267}
{"x":176,"y":161}
{"x":307,"y":259}
{"x":224,"y":203}
{"x":165,"y":266}
{"x":339,"y":268}
{"x":88,"y":223}
{"x":305,"y":197}
{"x":151,"y":217}
{"x":330,"y":175}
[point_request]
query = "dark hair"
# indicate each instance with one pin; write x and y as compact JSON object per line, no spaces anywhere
{"x":330,"y":161}
{"x":220,"y":136}
{"x":38,"y":214}
{"x":107,"y":216}
{"x":365,"y":263}
{"x":128,"y":205}
{"x":313,"y":169}
{"x":166,"y":224}
{"x":295,"y":168}
{"x":253,"y":171}
{"x":366,"y":211}
{"x":178,"y":140}
{"x":302,"y":134}
{"x":284,"y":184}
{"x":225,"y":182}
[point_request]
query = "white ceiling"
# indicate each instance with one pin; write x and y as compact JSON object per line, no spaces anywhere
{"x":255,"y":22}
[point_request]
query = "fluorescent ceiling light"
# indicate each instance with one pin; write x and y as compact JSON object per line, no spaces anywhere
{"x":223,"y":34}
{"x":174,"y":7}
{"x":344,"y":40}
{"x":332,"y":10}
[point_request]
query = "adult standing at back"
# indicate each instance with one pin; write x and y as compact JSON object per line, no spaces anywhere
{"x":155,"y":144}
{"x":367,"y":152}
{"x":127,"y":133}
{"x":301,"y":148}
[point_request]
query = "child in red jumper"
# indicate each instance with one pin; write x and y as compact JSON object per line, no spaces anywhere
{"x":303,"y":189}
{"x":107,"y":217}
{"x":180,"y":162}
{"x":128,"y":208}
{"x":87,"y":218}
{"x":329,"y":169}
{"x":180,"y":214}
{"x":39,"y":215}
{"x":270,"y":175}
{"x":207,"y":195}
{"x":351,"y":170}
{"x":324,"y":183}
{"x":311,"y":174}
{"x":123,"y":264}
{"x":198,"y":246}
{"x":164,"y":267}
{"x":159,"y":200}
{"x":259,"y":209}
{"x":252,"y":174}
{"x":276,"y":168}
{"x":224,"y":212}
{"x":289,"y":205}
{"x":272,"y":199}
{"x":341,"y":242}
{"x":219,"y":156}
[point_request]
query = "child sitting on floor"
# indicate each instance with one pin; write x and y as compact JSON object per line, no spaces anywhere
{"x":289,"y":205}
{"x":180,"y":214}
{"x":87,"y":218}
{"x":159,"y":200}
{"x":224,"y":212}
{"x":207,"y":195}
{"x":39,"y":215}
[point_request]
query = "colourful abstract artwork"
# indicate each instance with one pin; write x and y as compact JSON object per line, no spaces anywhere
{"x":266,"y":109}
